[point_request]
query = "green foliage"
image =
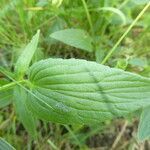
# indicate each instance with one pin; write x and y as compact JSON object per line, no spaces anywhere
{"x":25,"y":116}
{"x":144,"y":126}
{"x":140,"y":1}
{"x":75,"y":37}
{"x":79,"y":91}
{"x":73,"y":91}
{"x":5,"y":97}
{"x":24,"y":60}
{"x":115,"y":11}
{"x":4,"y":145}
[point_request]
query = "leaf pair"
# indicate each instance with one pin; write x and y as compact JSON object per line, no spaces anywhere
{"x":76,"y":91}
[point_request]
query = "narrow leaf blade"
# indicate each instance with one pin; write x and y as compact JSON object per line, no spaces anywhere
{"x":144,"y":126}
{"x":5,"y":98}
{"x":4,"y":145}
{"x":25,"y":58}
{"x":6,"y":95}
{"x":25,"y":116}
{"x":74,"y":37}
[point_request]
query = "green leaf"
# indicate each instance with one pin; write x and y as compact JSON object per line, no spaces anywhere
{"x":4,"y":145}
{"x":79,"y":91}
{"x":5,"y":71}
{"x":25,"y":58}
{"x":140,"y":2}
{"x":74,"y":37}
{"x":57,"y":25}
{"x":5,"y":95}
{"x":138,"y":62}
{"x":25,"y":116}
{"x":120,"y":14}
{"x":144,"y":126}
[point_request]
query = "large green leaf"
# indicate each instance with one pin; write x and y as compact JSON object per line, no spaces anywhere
{"x":25,"y":58}
{"x":144,"y":126}
{"x":25,"y":116}
{"x":79,"y":91}
{"x":75,"y":37}
{"x":4,"y":145}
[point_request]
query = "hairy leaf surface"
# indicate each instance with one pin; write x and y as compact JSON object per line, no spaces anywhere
{"x":79,"y":91}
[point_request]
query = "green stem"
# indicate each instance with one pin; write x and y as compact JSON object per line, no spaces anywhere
{"x":88,"y":16}
{"x":10,"y":85}
{"x":125,"y":33}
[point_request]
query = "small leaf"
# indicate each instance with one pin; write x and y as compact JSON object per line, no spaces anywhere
{"x":79,"y":91}
{"x":122,"y":64}
{"x":25,"y":58}
{"x":144,"y":126}
{"x":74,"y":37}
{"x":25,"y":116}
{"x":4,"y":145}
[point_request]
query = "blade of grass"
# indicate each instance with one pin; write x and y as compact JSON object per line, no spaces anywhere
{"x":113,"y":10}
{"x":88,"y":16}
{"x":73,"y":135}
{"x":52,"y":144}
{"x":125,"y":33}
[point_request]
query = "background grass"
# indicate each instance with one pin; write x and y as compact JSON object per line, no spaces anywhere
{"x":19,"y":20}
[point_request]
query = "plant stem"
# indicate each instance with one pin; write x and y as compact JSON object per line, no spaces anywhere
{"x":52,"y":144}
{"x":10,"y":85}
{"x":88,"y":16}
{"x":7,"y":86}
{"x":125,"y":33}
{"x":119,"y":135}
